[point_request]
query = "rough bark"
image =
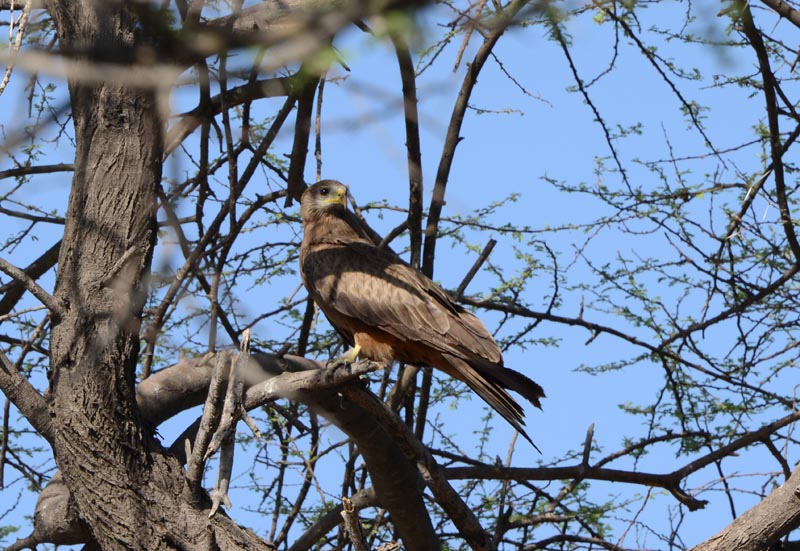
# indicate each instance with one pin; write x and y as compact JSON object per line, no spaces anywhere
{"x":184,"y":385}
{"x":103,"y":266}
{"x":759,"y":528}
{"x":126,"y":491}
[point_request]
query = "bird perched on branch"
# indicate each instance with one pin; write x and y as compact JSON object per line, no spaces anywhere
{"x":387,"y":310}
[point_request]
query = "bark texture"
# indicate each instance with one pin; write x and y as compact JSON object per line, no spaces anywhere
{"x":127,"y":492}
{"x":397,"y":483}
{"x":103,"y":265}
{"x":761,"y":527}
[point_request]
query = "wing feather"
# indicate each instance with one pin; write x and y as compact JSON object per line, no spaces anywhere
{"x":358,"y":285}
{"x":491,"y":392}
{"x":411,"y":306}
{"x":375,"y":287}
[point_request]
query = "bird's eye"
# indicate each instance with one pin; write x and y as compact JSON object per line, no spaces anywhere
{"x":323,"y":191}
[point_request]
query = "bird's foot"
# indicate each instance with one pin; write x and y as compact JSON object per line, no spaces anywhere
{"x":346,"y":359}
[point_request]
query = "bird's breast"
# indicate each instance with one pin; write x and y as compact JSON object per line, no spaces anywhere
{"x":375,"y":345}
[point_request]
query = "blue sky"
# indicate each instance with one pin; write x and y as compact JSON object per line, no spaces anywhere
{"x":553,"y":134}
{"x":548,"y":133}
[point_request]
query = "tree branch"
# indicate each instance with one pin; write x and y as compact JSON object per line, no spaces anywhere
{"x":352,"y":525}
{"x":487,"y":250}
{"x":784,"y":10}
{"x":25,"y":397}
{"x":302,"y":130}
{"x":265,"y":88}
{"x":457,"y":510}
{"x":191,"y":263}
{"x":211,"y":414}
{"x":30,"y":284}
{"x":36,"y":169}
{"x":454,"y":128}
{"x":14,"y":290}
{"x":395,"y":478}
{"x":331,"y":519}
{"x":763,"y":525}
{"x":413,"y":147}
{"x":775,"y":147}
{"x":662,"y":349}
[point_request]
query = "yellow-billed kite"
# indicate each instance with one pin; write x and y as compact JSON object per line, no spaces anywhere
{"x":388,"y":311}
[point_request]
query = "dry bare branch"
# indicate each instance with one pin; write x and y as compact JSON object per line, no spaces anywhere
{"x":30,"y":284}
{"x":454,"y":129}
{"x":15,"y":42}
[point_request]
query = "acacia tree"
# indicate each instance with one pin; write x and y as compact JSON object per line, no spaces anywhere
{"x":147,"y":275}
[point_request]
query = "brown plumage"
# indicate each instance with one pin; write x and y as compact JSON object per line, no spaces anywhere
{"x":377,"y":301}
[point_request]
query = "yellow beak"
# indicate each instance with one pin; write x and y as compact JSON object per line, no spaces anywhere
{"x":340,"y":197}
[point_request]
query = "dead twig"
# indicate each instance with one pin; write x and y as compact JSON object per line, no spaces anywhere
{"x":195,"y":455}
{"x":232,"y":407}
{"x":352,"y":525}
{"x":15,"y":43}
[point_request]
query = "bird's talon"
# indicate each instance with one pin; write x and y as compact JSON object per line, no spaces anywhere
{"x":336,"y":363}
{"x":345,"y":360}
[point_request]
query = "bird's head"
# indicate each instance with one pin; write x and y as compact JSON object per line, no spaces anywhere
{"x":323,"y":197}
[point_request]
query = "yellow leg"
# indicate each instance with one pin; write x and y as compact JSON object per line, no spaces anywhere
{"x":352,"y":354}
{"x":347,"y":358}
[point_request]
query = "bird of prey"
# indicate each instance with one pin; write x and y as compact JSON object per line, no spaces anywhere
{"x":388,"y":311}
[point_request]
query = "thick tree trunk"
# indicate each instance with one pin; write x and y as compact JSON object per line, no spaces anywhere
{"x":126,"y":491}
{"x":103,"y":266}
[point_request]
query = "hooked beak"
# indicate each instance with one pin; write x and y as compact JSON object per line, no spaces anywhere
{"x":338,"y":198}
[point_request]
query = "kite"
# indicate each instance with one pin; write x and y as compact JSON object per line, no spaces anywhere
{"x":388,"y":311}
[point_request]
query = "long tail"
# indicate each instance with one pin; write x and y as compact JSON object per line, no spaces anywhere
{"x":490,"y":381}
